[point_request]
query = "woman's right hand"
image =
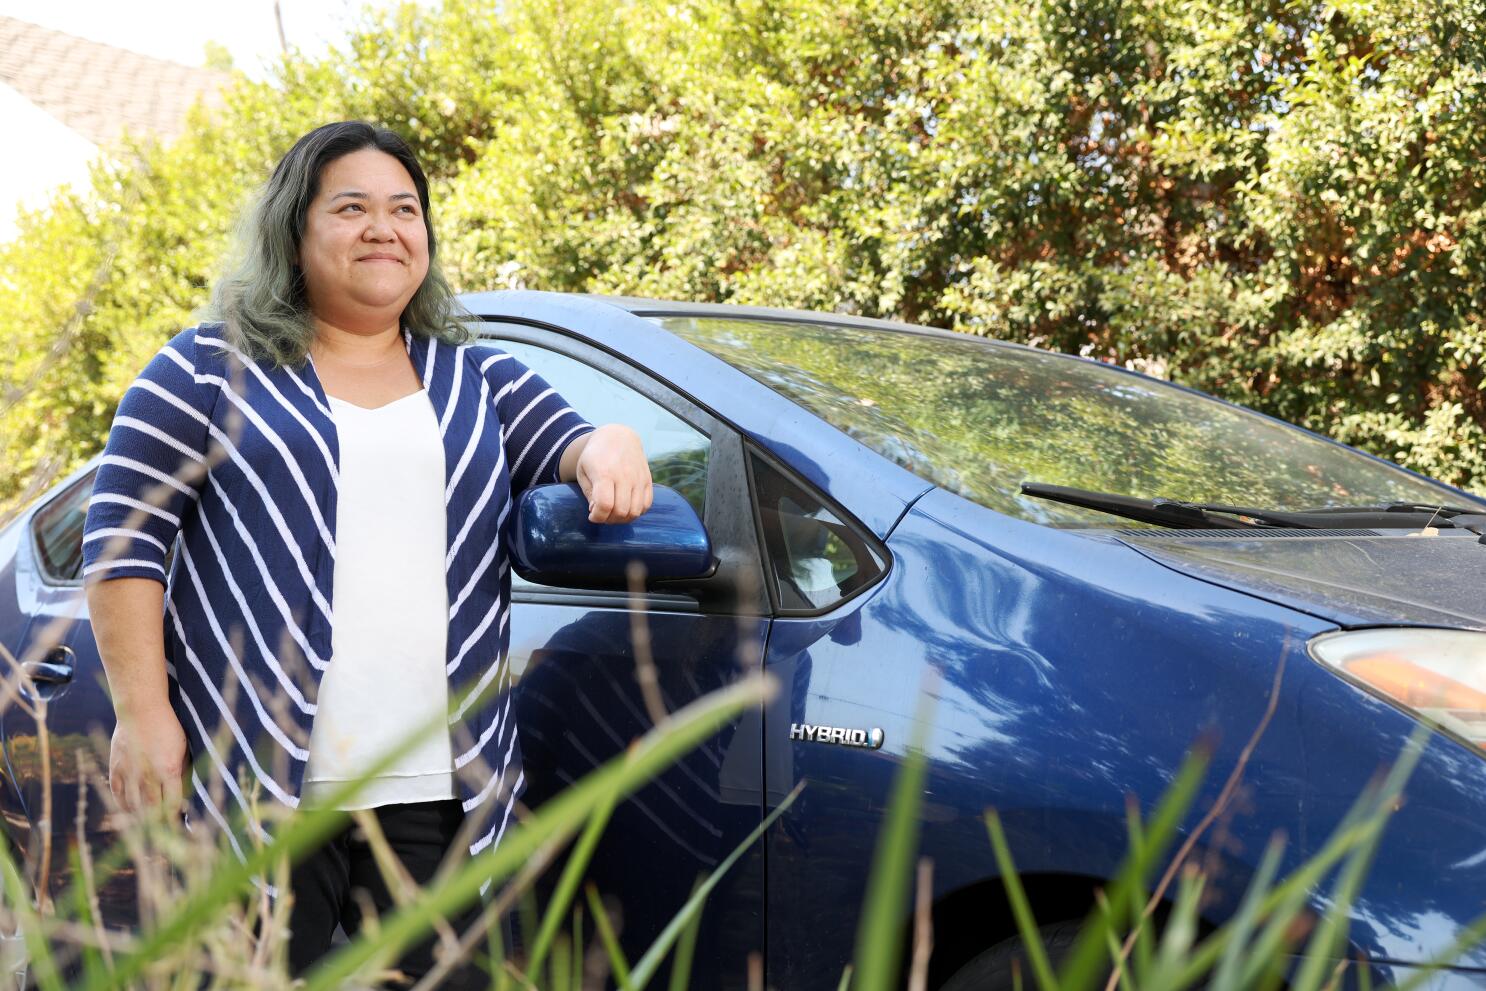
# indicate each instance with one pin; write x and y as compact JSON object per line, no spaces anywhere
{"x":147,"y":760}
{"x":147,"y":757}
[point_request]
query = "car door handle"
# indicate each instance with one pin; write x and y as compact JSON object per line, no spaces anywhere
{"x":55,"y":669}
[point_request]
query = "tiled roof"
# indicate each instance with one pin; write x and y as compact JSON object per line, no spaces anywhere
{"x":98,"y":90}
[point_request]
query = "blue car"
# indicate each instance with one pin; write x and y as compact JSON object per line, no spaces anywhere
{"x":1085,"y":571}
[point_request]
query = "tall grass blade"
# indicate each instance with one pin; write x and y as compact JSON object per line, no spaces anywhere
{"x":1143,"y":951}
{"x":308,"y":829}
{"x":1328,"y":941}
{"x":686,"y":948}
{"x":42,"y":964}
{"x":567,"y":884}
{"x":305,"y":830}
{"x":606,"y":936}
{"x":682,"y":731}
{"x":1246,"y":920}
{"x":879,"y":934}
{"x":1282,"y":905}
{"x":650,"y":962}
{"x":1178,"y":935}
{"x":1469,"y":938}
{"x":84,"y":906}
{"x":1280,"y":908}
{"x":1088,"y":957}
{"x":1125,"y":981}
{"x":1021,"y":908}
{"x":562,"y":977}
{"x":577,"y":947}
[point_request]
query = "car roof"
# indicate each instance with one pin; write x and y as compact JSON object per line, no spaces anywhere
{"x":642,"y":306}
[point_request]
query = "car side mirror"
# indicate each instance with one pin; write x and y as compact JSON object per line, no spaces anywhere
{"x":555,"y":544}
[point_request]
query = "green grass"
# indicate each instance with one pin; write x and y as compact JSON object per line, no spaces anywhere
{"x":203,"y":925}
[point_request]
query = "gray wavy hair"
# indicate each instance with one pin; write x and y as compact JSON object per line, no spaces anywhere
{"x":261,"y":295}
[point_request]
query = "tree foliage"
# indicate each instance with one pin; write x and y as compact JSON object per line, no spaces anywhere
{"x":1278,"y":202}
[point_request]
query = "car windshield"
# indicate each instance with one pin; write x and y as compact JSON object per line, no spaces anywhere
{"x":980,"y":417}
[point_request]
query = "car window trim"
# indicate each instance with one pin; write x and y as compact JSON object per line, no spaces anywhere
{"x":616,"y":366}
{"x":43,"y":570}
{"x":862,"y":532}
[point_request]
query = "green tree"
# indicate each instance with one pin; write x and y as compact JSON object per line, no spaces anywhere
{"x":1275,"y":202}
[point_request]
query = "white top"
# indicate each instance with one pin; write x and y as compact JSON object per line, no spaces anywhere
{"x":386,"y":672}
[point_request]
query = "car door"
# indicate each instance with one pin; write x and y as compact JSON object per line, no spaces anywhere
{"x":834,"y":651}
{"x":578,"y":698}
{"x":53,"y":777}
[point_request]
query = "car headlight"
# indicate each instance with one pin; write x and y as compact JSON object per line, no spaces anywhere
{"x":1439,"y":674}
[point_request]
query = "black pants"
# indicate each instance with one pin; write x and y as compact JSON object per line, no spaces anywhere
{"x":419,"y":834}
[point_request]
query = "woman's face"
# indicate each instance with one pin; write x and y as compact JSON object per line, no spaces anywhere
{"x":365,"y":249}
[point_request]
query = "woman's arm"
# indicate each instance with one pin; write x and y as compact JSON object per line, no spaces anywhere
{"x":151,"y":474}
{"x":147,"y":756}
{"x":546,"y":441}
{"x":609,"y":465}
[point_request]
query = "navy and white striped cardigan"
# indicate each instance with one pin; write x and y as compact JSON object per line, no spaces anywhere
{"x":249,"y":597}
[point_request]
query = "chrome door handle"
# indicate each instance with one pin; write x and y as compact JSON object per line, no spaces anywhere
{"x":55,"y":669}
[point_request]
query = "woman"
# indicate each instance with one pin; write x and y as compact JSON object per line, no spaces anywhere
{"x":340,"y":465}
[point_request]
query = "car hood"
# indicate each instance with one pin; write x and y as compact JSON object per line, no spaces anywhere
{"x":1352,"y":577}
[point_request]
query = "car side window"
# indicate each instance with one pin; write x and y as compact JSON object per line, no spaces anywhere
{"x":677,"y":452}
{"x":818,"y":559}
{"x":57,"y":529}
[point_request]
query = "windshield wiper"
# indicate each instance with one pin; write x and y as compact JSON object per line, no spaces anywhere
{"x":1209,"y":515}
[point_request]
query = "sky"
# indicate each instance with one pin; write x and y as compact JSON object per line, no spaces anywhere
{"x":179,"y":29}
{"x":170,"y":29}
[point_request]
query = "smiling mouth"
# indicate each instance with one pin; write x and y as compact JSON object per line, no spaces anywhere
{"x":380,"y":258}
